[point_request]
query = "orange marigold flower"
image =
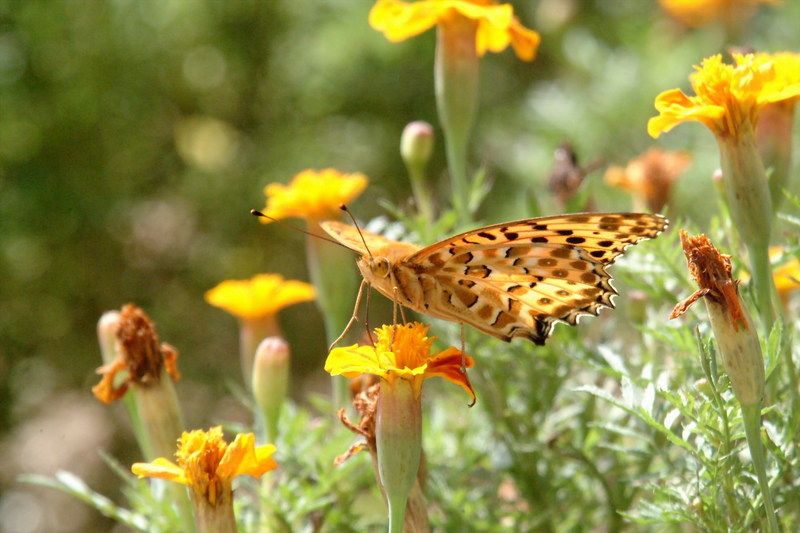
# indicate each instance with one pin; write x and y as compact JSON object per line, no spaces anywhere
{"x":140,"y":353}
{"x":697,"y":13}
{"x":313,"y":195}
{"x":650,"y":176}
{"x":207,"y":464}
{"x":262,"y":295}
{"x":727,"y":96}
{"x":402,"y":352}
{"x":496,"y":25}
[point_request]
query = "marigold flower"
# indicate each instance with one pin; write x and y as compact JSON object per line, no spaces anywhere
{"x":261,"y":296}
{"x":207,"y":464}
{"x":728,"y":100}
{"x":697,"y":13}
{"x":402,"y":352}
{"x":738,"y":346}
{"x":650,"y":176}
{"x":733,"y":329}
{"x":313,"y":195}
{"x":496,"y":25}
{"x":256,"y":303}
{"x":727,"y":96}
{"x":139,"y":352}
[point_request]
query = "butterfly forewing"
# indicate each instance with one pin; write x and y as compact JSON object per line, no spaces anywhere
{"x":509,"y":280}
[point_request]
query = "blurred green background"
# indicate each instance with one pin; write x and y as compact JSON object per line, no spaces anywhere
{"x":136,"y":135}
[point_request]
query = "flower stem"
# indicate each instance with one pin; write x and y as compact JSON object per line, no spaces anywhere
{"x":331,"y":271}
{"x":751,"y":415}
{"x":456,"y":85}
{"x":762,"y":283}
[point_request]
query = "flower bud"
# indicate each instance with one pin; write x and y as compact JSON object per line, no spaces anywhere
{"x":271,"y":381}
{"x":416,"y":144}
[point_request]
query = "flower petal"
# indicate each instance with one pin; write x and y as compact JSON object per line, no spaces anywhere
{"x":160,"y":468}
{"x":447,"y":364}
{"x":352,"y":361}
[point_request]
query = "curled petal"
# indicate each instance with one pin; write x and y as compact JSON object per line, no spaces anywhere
{"x":162,"y":469}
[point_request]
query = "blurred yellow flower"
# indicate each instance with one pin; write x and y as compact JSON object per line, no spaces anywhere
{"x":496,"y":25}
{"x":207,"y":464}
{"x":697,"y":13}
{"x":728,"y":97}
{"x":261,"y":296}
{"x":650,"y":176}
{"x":313,"y":195}
{"x":787,"y":278}
{"x":402,"y":352}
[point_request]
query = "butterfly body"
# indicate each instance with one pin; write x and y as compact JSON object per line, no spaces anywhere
{"x":508,"y":280}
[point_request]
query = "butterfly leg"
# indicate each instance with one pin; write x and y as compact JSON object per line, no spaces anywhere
{"x":463,"y":348}
{"x":353,"y":318}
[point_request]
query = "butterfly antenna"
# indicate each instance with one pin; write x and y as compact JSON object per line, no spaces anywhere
{"x":256,"y":212}
{"x":349,"y":214}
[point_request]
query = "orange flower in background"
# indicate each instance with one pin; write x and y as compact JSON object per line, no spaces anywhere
{"x":496,"y":25}
{"x":696,"y":13}
{"x":402,"y":352}
{"x":313,"y":195}
{"x":728,"y":97}
{"x":650,"y":177}
{"x":262,"y":295}
{"x":207,"y":464}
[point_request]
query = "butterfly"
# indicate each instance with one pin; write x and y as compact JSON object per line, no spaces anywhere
{"x":515,"y":279}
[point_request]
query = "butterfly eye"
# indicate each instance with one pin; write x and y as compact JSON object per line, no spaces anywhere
{"x":380,"y":267}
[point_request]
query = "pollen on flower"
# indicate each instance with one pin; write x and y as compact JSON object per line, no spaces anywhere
{"x":313,"y":195}
{"x":712,"y":272}
{"x":139,"y":352}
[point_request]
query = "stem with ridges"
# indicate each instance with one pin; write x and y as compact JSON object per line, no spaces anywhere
{"x":751,"y":415}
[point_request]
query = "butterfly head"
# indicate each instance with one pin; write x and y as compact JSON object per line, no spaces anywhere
{"x":379,"y":266}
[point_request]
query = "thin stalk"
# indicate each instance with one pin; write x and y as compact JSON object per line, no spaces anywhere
{"x":751,"y":415}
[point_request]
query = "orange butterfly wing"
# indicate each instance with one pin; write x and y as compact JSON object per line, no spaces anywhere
{"x":514,"y":279}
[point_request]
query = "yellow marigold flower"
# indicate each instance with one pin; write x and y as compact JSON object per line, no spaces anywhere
{"x":697,"y":13}
{"x":650,"y":176}
{"x":262,"y":295}
{"x":207,"y":464}
{"x":313,"y":195}
{"x":496,"y":25}
{"x":727,"y":96}
{"x":402,"y":352}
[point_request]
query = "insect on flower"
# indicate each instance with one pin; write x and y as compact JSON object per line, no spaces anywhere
{"x":508,"y":280}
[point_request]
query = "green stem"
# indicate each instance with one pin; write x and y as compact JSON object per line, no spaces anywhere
{"x":762,"y":283}
{"x":456,"y":86}
{"x":397,"y":513}
{"x":751,"y":415}
{"x":421,"y":194}
{"x":332,"y":273}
